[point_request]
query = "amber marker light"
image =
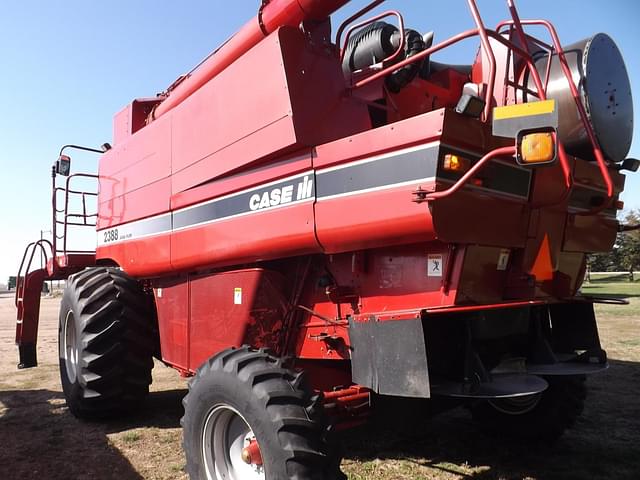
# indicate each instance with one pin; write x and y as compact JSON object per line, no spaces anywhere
{"x":537,"y":148}
{"x":455,"y":163}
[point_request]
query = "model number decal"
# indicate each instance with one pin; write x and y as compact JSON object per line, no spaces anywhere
{"x":110,"y":235}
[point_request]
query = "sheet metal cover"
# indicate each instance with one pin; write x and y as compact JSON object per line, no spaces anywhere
{"x":607,"y":94}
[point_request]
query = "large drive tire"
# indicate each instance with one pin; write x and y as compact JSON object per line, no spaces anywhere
{"x":106,"y":343}
{"x":244,"y":395}
{"x":541,"y":417}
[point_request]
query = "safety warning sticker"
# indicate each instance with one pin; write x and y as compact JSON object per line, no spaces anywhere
{"x":503,"y":259}
{"x":434,"y":265}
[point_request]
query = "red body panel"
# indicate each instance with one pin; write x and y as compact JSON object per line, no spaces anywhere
{"x":246,"y":239}
{"x":342,"y":227}
{"x":132,"y":171}
{"x":200,"y":315}
{"x":223,"y":112}
{"x":133,"y":205}
{"x":172,"y":305}
{"x":149,"y":256}
{"x":288,"y":166}
{"x":407,"y":133}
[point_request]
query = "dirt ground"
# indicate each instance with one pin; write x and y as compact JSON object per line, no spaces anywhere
{"x":40,"y":439}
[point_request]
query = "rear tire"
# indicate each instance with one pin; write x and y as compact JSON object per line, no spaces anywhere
{"x":244,"y":394}
{"x":106,"y":343}
{"x":541,"y":417}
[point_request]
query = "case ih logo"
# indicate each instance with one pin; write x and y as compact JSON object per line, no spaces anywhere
{"x":281,"y":195}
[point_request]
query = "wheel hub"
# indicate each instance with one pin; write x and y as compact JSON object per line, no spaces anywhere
{"x":69,"y":350}
{"x":229,"y":447}
{"x":251,"y":453}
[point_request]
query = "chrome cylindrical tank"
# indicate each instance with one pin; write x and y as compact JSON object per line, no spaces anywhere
{"x":601,"y":77}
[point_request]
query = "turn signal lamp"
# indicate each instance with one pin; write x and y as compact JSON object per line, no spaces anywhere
{"x":537,"y":148}
{"x":455,"y":163}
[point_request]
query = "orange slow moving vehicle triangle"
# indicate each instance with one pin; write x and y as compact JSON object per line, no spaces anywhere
{"x":543,"y":266}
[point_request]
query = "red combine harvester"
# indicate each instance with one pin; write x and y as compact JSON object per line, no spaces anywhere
{"x":354,"y":224}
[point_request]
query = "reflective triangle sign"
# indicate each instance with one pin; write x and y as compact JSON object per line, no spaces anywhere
{"x":543,"y":266}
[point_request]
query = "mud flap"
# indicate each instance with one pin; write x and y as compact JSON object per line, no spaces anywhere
{"x":390,"y":357}
{"x":573,"y":327}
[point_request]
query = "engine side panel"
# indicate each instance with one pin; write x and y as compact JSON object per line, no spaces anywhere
{"x":200,"y":315}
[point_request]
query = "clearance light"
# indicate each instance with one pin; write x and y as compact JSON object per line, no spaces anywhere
{"x":454,"y":163}
{"x":537,"y":148}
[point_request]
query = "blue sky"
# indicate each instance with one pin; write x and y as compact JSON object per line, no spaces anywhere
{"x":67,"y":66}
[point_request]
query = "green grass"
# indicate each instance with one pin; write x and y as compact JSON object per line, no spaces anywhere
{"x":131,"y":437}
{"x":619,"y":287}
{"x":623,"y":290}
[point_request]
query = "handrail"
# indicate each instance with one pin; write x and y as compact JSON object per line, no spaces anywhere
{"x":63,"y":216}
{"x":55,"y":189}
{"x":564,"y":162}
{"x":20,"y":286}
{"x":516,"y":24}
{"x":68,"y":215}
{"x":562,"y":155}
{"x":604,"y":172}
{"x":488,"y":51}
{"x":498,"y":152}
{"x":479,"y":30}
{"x":523,"y":52}
{"x":358,"y":14}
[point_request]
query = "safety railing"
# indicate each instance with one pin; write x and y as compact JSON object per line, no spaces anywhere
{"x":557,"y":47}
{"x":66,"y":216}
{"x":522,"y":51}
{"x":25,"y":268}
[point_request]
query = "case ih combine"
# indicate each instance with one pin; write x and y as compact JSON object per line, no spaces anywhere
{"x":355,"y":223}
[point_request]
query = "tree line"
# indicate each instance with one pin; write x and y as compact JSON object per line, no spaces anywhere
{"x":625,"y":255}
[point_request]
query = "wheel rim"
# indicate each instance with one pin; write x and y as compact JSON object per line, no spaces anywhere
{"x":225,"y":434}
{"x":516,"y":405}
{"x":70,"y":347}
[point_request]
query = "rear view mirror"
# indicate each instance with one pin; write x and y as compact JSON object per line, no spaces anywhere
{"x":630,"y":164}
{"x":63,"y":165}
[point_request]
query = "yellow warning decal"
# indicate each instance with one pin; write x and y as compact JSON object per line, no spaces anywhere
{"x":524,"y":109}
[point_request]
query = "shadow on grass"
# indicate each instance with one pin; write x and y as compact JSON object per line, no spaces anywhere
{"x":614,"y":278}
{"x":40,"y":439}
{"x":604,"y":443}
{"x":160,"y":410}
{"x":614,"y":296}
